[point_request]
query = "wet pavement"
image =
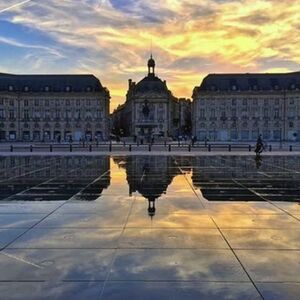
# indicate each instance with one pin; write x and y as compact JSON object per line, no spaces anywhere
{"x":149,"y":227}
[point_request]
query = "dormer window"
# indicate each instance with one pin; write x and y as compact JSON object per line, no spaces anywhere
{"x":26,"y":89}
{"x":47,"y":88}
{"x":293,"y":86}
{"x":88,"y":89}
{"x":255,"y":88}
{"x":234,"y":88}
{"x":68,"y":88}
{"x":10,"y":88}
{"x":276,"y":87}
{"x":213,"y":88}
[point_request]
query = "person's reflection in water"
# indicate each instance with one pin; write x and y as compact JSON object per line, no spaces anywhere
{"x":258,"y":160}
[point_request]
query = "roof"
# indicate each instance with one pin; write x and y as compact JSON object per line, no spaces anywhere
{"x":54,"y":83}
{"x":151,"y":83}
{"x":246,"y":82}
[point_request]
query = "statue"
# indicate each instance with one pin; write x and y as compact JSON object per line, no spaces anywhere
{"x":146,"y":109}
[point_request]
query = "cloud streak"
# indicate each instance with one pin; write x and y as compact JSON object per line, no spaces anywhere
{"x":11,"y":7}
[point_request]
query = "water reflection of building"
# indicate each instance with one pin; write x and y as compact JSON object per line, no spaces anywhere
{"x":234,"y":178}
{"x":53,"y":178}
{"x":150,"y":176}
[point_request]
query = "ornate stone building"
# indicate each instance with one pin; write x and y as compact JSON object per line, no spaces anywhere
{"x":150,"y":108}
{"x":239,"y":107}
{"x":53,"y":108}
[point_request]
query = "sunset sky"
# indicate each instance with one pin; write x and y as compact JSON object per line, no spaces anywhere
{"x":112,"y":39}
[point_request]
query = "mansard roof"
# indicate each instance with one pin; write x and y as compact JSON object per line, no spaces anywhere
{"x":151,"y":83}
{"x":51,"y":83}
{"x":248,"y":81}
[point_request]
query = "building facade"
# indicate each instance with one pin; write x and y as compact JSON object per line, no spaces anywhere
{"x":240,"y":107}
{"x":150,"y":108}
{"x":53,"y":108}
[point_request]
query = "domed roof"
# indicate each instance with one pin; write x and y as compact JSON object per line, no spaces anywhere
{"x":151,"y":83}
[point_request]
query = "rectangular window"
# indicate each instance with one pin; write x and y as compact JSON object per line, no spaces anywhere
{"x":1,"y":113}
{"x":245,"y":134}
{"x":276,"y":113}
{"x":11,"y":114}
{"x":266,"y":112}
{"x":277,"y":134}
{"x":46,"y":102}
{"x":202,"y":113}
{"x":26,"y":114}
{"x":11,"y":102}
{"x":25,"y":102}
{"x":233,"y":134}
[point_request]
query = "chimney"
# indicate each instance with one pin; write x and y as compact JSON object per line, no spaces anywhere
{"x":129,"y":82}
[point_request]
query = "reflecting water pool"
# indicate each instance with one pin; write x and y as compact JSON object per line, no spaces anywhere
{"x":150,"y":227}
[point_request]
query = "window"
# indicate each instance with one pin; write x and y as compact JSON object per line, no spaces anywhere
{"x":26,"y":114}
{"x":233,"y":101}
{"x":233,"y":134}
{"x":88,"y":102}
{"x":68,"y":114}
{"x":99,"y":114}
{"x":1,"y":113}
{"x":291,"y":124}
{"x":68,"y":102}
{"x":276,"y":113}
{"x":202,"y":113}
{"x":25,"y":102}
{"x":223,"y":113}
{"x":233,"y":112}
{"x":68,"y":88}
{"x":245,"y":134}
{"x":276,"y":134}
{"x":244,"y":101}
{"x":57,"y":113}
{"x":212,"y":113}
{"x":77,"y":102}
{"x":10,"y":88}
{"x":266,"y":134}
{"x":46,"y":102}
{"x":47,"y":89}
{"x":77,"y":114}
{"x":291,"y":113}
{"x":11,"y":114}
{"x":47,"y":114}
{"x":1,"y":102}
{"x":266,"y":113}
{"x":36,"y":102}
{"x":26,"y":89}
{"x":11,"y":102}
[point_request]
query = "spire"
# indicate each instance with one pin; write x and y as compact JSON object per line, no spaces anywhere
{"x":151,"y":66}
